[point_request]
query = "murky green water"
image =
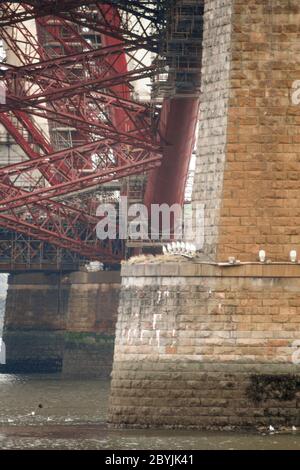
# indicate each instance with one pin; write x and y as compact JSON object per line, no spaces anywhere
{"x":47,"y":412}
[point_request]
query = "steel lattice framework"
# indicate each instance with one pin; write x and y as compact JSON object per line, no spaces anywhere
{"x":72,"y":65}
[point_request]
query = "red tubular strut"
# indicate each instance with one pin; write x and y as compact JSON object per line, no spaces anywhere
{"x":177,"y":127}
{"x":69,"y":83}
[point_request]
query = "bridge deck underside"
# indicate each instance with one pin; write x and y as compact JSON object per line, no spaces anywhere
{"x":72,"y":108}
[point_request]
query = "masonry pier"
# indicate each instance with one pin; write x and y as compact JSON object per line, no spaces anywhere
{"x":199,"y":345}
{"x":211,"y":346}
{"x":61,"y":323}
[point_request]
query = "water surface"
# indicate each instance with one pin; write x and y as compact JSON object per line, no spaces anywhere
{"x":48,"y":412}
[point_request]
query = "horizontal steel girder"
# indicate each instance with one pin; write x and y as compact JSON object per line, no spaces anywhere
{"x":96,"y":15}
{"x":82,"y":87}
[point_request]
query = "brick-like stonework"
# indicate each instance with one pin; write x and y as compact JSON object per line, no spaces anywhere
{"x":90,"y":324}
{"x":34,"y":323}
{"x":215,"y":88}
{"x":207,"y":346}
{"x":249,"y":154}
{"x":62,"y":323}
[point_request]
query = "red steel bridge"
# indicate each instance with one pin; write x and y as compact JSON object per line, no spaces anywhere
{"x":98,"y":99}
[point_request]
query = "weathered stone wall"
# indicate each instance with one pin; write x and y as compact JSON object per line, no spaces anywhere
{"x":63,"y":323}
{"x":207,"y":346}
{"x":213,"y":117}
{"x":3,"y":289}
{"x":90,"y":324}
{"x":34,"y":322}
{"x":251,"y":60}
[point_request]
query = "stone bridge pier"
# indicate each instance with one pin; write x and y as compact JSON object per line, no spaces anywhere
{"x":207,"y":346}
{"x":61,"y":323}
{"x":201,"y":343}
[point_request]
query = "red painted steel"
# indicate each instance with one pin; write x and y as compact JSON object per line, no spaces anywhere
{"x":177,"y":128}
{"x":67,"y":81}
{"x":55,"y":93}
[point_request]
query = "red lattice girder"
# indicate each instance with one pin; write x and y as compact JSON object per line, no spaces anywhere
{"x":85,"y":88}
{"x":55,"y":223}
{"x":125,"y":112}
{"x":41,"y":74}
{"x":59,"y":111}
{"x":56,"y":91}
{"x":104,"y":252}
{"x":13,"y":14}
{"x":93,"y":178}
{"x":14,"y":131}
{"x":69,"y":227}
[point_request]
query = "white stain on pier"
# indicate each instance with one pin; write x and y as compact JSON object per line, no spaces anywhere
{"x":158,"y":338}
{"x":128,"y":335}
{"x":156,"y":316}
{"x":142,"y":335}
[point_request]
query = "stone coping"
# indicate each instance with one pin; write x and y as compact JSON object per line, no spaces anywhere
{"x":194,"y":269}
{"x":76,"y":277}
{"x":100,"y":277}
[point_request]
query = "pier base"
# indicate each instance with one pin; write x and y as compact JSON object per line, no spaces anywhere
{"x":61,"y":323}
{"x":205,"y":346}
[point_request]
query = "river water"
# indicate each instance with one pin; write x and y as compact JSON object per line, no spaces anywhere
{"x":47,"y":412}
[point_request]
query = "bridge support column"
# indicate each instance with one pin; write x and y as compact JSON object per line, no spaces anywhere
{"x":204,"y":346}
{"x":61,"y":323}
{"x":90,"y":324}
{"x":34,"y":322}
{"x":210,"y":346}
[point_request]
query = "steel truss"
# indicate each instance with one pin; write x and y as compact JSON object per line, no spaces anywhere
{"x":71,"y":108}
{"x":67,"y":81}
{"x":20,"y":253}
{"x":141,"y":19}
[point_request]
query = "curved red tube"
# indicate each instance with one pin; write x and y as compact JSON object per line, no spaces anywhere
{"x":177,"y":127}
